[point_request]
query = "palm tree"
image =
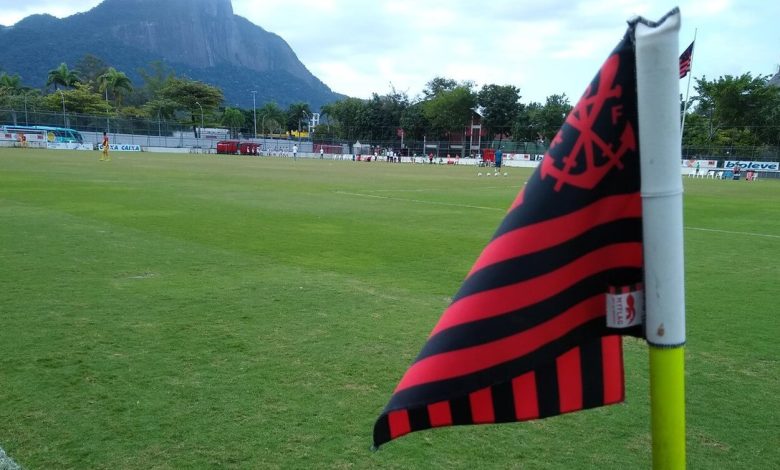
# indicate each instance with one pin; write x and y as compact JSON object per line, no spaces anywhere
{"x":11,"y":90}
{"x":10,"y":83}
{"x":62,"y":76}
{"x":297,"y":113}
{"x":270,"y":113}
{"x":117,"y":82}
{"x":234,"y":119}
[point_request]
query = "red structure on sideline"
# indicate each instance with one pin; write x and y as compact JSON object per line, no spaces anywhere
{"x":229,"y":147}
{"x":234,"y":147}
{"x":249,"y":148}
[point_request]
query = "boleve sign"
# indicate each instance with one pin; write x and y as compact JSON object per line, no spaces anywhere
{"x":121,"y":147}
{"x":755,"y":166}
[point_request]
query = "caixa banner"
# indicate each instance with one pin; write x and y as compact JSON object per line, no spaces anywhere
{"x":754,"y":166}
{"x":121,"y":147}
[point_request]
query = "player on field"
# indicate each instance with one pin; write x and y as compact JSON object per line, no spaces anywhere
{"x":105,"y":156}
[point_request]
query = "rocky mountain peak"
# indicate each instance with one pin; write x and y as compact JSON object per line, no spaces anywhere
{"x":202,"y":39}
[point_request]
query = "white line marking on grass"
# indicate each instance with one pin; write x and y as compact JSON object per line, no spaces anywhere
{"x":468,"y":206}
{"x":7,"y":462}
{"x":418,"y":201}
{"x":751,"y":234}
{"x":433,"y":189}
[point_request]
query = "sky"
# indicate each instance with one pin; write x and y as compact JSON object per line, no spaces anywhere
{"x":543,"y":47}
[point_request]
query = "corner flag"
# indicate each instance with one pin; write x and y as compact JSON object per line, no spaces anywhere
{"x":534,"y":331}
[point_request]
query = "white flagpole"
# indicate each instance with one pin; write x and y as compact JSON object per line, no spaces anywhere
{"x":658,"y":99}
{"x":688,"y":90}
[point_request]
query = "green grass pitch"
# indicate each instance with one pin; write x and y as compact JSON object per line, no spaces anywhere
{"x":184,"y":311}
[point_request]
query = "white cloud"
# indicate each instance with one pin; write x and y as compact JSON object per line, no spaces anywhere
{"x":544,"y":47}
{"x":11,"y":11}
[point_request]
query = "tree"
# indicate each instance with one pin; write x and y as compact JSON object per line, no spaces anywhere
{"x":450,"y":111}
{"x":249,"y":124}
{"x":527,"y":127}
{"x":347,"y":117}
{"x":10,"y":90}
{"x":539,"y":123}
{"x":15,"y":94}
{"x":552,"y":115}
{"x":697,"y":131}
{"x":414,"y":123}
{"x":739,"y":111}
{"x":10,"y":83}
{"x":62,"y":76}
{"x":382,"y":115}
{"x":81,"y":100}
{"x":500,"y":108}
{"x":327,"y":128}
{"x":155,"y":80}
{"x":271,"y":117}
{"x":117,"y":83}
{"x":192,"y":97}
{"x":448,"y":105}
{"x":297,"y":114}
{"x":89,"y":68}
{"x":134,"y":112}
{"x":233,"y":119}
{"x":437,"y":86}
{"x":161,"y":108}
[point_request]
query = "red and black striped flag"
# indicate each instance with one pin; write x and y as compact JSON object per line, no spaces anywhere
{"x":685,"y":61}
{"x":526,"y":336}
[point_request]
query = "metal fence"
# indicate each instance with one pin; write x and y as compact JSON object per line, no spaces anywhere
{"x":723,"y":153}
{"x":177,"y":134}
{"x":89,"y":123}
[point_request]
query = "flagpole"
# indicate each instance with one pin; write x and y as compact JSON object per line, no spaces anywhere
{"x":658,"y":84}
{"x":688,"y":90}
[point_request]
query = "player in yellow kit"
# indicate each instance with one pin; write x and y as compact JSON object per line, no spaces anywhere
{"x":105,"y":155}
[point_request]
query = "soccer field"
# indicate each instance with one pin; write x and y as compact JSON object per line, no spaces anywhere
{"x":191,"y":311}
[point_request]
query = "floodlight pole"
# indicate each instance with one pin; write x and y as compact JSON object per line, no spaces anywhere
{"x":254,"y":111}
{"x":299,"y":125}
{"x":108,"y":111}
{"x":201,"y":122}
{"x":64,"y":123}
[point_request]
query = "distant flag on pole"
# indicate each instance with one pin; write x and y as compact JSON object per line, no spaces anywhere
{"x":685,"y":61}
{"x":535,"y":329}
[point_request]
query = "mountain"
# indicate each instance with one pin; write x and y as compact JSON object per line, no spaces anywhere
{"x":200,"y":39}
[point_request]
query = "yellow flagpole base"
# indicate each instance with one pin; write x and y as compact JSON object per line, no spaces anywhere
{"x":667,"y":407}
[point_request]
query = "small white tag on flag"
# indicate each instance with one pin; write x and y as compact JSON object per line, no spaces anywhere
{"x":625,"y":306}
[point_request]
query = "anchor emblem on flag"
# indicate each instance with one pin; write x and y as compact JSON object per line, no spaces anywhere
{"x":591,"y":158}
